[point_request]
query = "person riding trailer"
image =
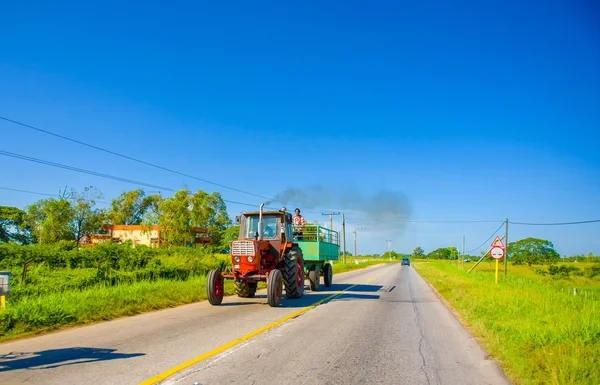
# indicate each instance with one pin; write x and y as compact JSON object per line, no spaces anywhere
{"x":297,"y":222}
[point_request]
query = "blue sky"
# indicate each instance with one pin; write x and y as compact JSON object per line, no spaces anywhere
{"x":470,"y":111}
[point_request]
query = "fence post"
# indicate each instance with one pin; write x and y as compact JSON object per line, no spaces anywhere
{"x":25,"y":270}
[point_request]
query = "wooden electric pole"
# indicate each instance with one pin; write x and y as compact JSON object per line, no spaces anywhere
{"x":505,"y":245}
{"x":354,"y":243}
{"x":344,"y":237}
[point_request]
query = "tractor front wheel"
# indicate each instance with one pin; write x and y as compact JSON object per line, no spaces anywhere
{"x":274,"y":288}
{"x":245,"y":289}
{"x":293,"y":273}
{"x":214,"y":287}
{"x":314,"y":278}
{"x":327,"y":274}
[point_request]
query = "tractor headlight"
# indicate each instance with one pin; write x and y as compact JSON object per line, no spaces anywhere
{"x":236,"y":259}
{"x":250,"y":259}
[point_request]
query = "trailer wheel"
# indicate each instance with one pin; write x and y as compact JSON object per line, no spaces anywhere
{"x":214,"y":287}
{"x":274,"y":288}
{"x":245,"y":289}
{"x":293,"y":273}
{"x":327,"y":274}
{"x":314,"y":277}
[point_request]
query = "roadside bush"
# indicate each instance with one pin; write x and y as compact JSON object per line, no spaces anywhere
{"x":562,"y":271}
{"x":593,"y":271}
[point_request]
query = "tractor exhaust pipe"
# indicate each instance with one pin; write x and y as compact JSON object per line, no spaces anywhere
{"x":260,"y":223}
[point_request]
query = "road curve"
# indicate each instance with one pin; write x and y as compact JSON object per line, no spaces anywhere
{"x":385,"y":327}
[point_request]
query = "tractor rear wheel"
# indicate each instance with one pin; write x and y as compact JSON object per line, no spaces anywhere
{"x":214,"y":287}
{"x":245,"y":289}
{"x":327,"y":274}
{"x":293,"y":273}
{"x":274,"y":288}
{"x":314,"y":278}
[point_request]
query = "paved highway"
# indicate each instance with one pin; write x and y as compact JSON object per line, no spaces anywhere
{"x":384,"y":326}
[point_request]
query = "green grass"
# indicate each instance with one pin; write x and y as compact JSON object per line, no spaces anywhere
{"x":54,"y":298}
{"x":535,"y":327}
{"x":47,"y":312}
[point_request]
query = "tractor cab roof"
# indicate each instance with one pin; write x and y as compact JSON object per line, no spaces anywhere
{"x":288,"y":216}
{"x":255,"y":213}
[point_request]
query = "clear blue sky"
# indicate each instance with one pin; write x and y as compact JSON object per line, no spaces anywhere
{"x":471,"y":111}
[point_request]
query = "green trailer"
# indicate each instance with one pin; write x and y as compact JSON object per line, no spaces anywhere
{"x":319,"y":246}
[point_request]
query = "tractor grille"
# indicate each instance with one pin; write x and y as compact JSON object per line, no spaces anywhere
{"x":242,"y":248}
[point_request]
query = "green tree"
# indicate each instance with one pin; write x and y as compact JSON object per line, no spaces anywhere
{"x":12,"y":226}
{"x":87,"y":219}
{"x":532,"y":251}
{"x":386,"y":255}
{"x":209,"y":211}
{"x":67,"y":218}
{"x":441,"y":253}
{"x":418,"y":252}
{"x":130,"y":207}
{"x":179,"y":214}
{"x":453,"y":252}
{"x":152,"y":213}
{"x":49,"y":220}
{"x":231,"y":233}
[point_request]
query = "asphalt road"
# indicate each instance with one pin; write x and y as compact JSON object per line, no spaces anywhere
{"x":385,"y":327}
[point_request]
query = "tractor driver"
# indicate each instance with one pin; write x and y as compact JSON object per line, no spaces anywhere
{"x":270,"y":226}
{"x":298,"y":222}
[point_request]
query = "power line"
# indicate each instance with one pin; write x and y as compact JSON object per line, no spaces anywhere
{"x":486,"y":241}
{"x":40,"y":193}
{"x":420,"y":220}
{"x":99,"y":174}
{"x":81,"y":170}
{"x":135,"y":159}
{"x":27,"y":192}
{"x":555,"y":223}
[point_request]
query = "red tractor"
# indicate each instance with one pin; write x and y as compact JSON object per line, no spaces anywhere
{"x":264,"y":251}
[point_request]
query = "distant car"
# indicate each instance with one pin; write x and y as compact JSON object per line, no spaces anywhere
{"x":405,"y":261}
{"x":467,"y":260}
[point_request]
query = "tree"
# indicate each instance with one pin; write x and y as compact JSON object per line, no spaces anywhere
{"x":453,"y":252}
{"x":532,"y":251}
{"x":418,"y":252}
{"x":441,"y":253}
{"x":87,"y":218}
{"x":153,"y":211}
{"x":178,"y":215}
{"x":209,"y":211}
{"x":231,"y":233}
{"x":69,"y":217}
{"x":12,"y":226}
{"x":130,"y":207}
{"x":386,"y":255}
{"x":49,"y":220}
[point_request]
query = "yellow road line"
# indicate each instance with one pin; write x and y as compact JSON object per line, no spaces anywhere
{"x":168,"y":373}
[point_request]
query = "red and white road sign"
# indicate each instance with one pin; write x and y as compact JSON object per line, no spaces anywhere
{"x":497,"y":252}
{"x":498,"y":242}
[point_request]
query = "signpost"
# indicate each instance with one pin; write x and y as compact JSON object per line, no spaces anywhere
{"x":497,"y":252}
{"x":4,"y":287}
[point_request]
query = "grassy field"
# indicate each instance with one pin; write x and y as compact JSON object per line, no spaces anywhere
{"x":531,"y":322}
{"x":53,"y":298}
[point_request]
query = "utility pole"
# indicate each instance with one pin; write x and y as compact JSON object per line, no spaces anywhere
{"x":331,"y":214}
{"x":462,"y":260}
{"x":354,"y":243}
{"x":344,"y":237}
{"x":389,"y":249}
{"x":506,"y":245}
{"x":360,"y":228}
